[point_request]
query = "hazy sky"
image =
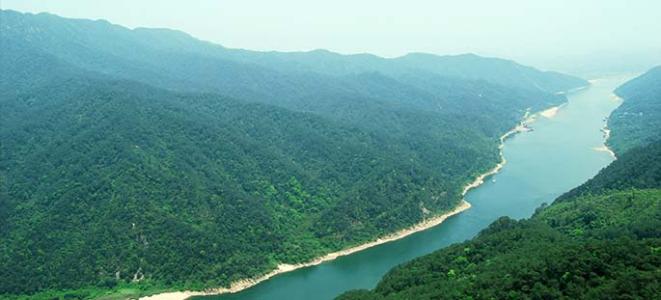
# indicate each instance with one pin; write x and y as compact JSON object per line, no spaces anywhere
{"x":538,"y":32}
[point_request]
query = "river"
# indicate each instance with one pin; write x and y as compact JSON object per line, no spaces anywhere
{"x":542,"y":164}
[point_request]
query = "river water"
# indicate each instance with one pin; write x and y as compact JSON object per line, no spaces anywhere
{"x":542,"y":164}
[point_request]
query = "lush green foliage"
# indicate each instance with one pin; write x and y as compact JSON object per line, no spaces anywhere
{"x":111,"y":177}
{"x":120,"y":161}
{"x":638,"y":120}
{"x":602,"y":241}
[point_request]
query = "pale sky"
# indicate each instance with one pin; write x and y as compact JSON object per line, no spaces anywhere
{"x":549,"y":33}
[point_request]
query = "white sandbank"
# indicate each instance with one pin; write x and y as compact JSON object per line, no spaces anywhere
{"x":605,"y":148}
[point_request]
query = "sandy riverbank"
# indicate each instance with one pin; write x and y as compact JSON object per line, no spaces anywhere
{"x":551,"y":112}
{"x":605,"y":148}
{"x":580,"y":88}
{"x":607,"y":133}
{"x":424,"y":225}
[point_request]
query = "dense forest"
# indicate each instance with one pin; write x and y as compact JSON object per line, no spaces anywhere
{"x":600,"y":240}
{"x":637,"y":121}
{"x":148,"y":160}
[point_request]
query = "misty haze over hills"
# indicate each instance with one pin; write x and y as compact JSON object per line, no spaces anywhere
{"x":579,"y":37}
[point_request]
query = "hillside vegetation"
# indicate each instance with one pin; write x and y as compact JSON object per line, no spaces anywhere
{"x":636,"y":122}
{"x":135,"y":161}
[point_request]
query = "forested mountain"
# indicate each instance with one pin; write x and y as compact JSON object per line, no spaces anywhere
{"x":638,"y":120}
{"x":147,"y":175}
{"x":149,"y":159}
{"x":600,"y":240}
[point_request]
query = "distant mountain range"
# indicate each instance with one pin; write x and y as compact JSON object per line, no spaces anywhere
{"x":150,"y":160}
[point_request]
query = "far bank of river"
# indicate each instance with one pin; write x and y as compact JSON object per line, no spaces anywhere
{"x":558,"y":155}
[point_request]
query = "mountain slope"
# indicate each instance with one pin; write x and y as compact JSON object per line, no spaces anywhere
{"x":638,"y":120}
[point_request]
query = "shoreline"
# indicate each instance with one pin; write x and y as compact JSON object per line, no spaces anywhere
{"x":577,"y":89}
{"x":607,"y":133}
{"x":425,"y":224}
{"x":243,"y":284}
{"x":551,"y":112}
{"x":604,"y":147}
{"x":519,"y":128}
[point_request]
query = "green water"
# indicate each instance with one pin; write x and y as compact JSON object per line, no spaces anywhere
{"x":541,"y":165}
